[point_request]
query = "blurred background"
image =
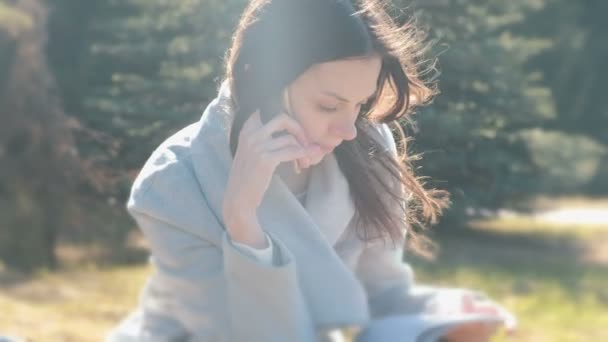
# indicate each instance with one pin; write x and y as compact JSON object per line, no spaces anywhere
{"x":518,"y":136}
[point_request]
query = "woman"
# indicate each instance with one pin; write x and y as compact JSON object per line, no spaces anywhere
{"x":281,"y":213}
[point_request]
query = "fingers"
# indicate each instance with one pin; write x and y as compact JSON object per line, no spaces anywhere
{"x":290,"y":153}
{"x":483,"y":306}
{"x":280,"y":142}
{"x":486,"y":309}
{"x":285,"y":141}
{"x":472,"y":305}
{"x":254,"y":131}
{"x":283,"y":122}
{"x":467,"y":304}
{"x":260,"y":137}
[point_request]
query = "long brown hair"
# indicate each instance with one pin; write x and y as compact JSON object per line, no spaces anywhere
{"x":277,"y":40}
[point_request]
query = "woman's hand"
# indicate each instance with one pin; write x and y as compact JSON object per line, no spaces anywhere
{"x":472,"y":332}
{"x":257,"y":155}
{"x":475,"y":331}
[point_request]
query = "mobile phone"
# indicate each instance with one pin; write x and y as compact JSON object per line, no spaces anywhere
{"x":287,"y":108}
{"x":270,"y":111}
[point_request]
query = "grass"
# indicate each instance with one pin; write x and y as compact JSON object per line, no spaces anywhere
{"x":558,"y":202}
{"x":547,"y":275}
{"x":70,"y":305}
{"x":552,"y":303}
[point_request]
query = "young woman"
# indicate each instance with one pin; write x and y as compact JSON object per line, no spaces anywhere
{"x":282,"y":213}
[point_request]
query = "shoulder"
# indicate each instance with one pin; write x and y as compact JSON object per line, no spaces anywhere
{"x":167,"y":193}
{"x":167,"y":170}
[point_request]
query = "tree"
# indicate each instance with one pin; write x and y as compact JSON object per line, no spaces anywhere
{"x":142,"y":70}
{"x":575,"y":69}
{"x":38,"y":162}
{"x":470,"y":135}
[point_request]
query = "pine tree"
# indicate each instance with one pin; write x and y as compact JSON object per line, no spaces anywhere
{"x":470,"y":135}
{"x":38,"y":163}
{"x":575,"y":68}
{"x":145,"y":69}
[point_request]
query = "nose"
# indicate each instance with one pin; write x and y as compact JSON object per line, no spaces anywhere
{"x":346,"y":131}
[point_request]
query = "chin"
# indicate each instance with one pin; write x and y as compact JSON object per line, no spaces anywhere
{"x":317,"y":160}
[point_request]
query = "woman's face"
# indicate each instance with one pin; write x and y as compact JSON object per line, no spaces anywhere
{"x":326,"y":99}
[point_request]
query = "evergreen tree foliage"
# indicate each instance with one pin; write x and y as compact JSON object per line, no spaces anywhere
{"x":38,"y":162}
{"x":521,"y":108}
{"x":145,"y":68}
{"x":470,"y":135}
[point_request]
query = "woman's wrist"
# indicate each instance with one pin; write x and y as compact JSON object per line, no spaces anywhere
{"x":255,"y":240}
{"x":245,"y":229}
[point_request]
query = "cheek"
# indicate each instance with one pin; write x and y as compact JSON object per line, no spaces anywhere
{"x":315,"y":125}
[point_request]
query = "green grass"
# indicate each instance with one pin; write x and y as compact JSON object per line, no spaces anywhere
{"x":549,"y":276}
{"x":71,"y":305}
{"x":557,"y":202}
{"x":553,"y":302}
{"x":542,"y":273}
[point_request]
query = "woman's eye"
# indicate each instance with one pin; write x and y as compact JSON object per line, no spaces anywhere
{"x":327,"y":109}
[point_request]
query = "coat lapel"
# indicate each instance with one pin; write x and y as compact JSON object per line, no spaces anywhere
{"x":334,"y":295}
{"x":328,"y":201}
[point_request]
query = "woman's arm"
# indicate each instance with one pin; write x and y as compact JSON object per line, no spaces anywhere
{"x":391,"y":288}
{"x":264,"y":298}
{"x":223,"y":292}
{"x":389,"y":282}
{"x":203,"y":282}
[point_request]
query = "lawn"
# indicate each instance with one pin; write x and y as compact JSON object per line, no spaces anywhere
{"x":554,"y":279}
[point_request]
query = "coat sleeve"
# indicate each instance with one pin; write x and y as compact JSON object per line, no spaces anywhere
{"x":263,"y":299}
{"x":389,"y":282}
{"x":204,"y":283}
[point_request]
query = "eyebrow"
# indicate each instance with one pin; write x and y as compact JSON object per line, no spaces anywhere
{"x":331,"y":93}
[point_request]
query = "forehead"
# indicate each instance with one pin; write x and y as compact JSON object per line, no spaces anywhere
{"x":354,"y":79}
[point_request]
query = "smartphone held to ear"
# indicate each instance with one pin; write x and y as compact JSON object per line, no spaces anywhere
{"x":266,"y":114}
{"x":287,"y":106}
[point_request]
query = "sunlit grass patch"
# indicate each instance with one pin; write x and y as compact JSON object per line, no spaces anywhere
{"x":541,"y":203}
{"x":552,"y":302}
{"x":74,"y":305}
{"x":540,"y":271}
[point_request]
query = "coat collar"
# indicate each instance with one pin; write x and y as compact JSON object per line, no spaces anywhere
{"x":309,"y":231}
{"x":328,"y":201}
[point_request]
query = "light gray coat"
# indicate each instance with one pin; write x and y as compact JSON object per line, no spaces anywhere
{"x":206,"y":289}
